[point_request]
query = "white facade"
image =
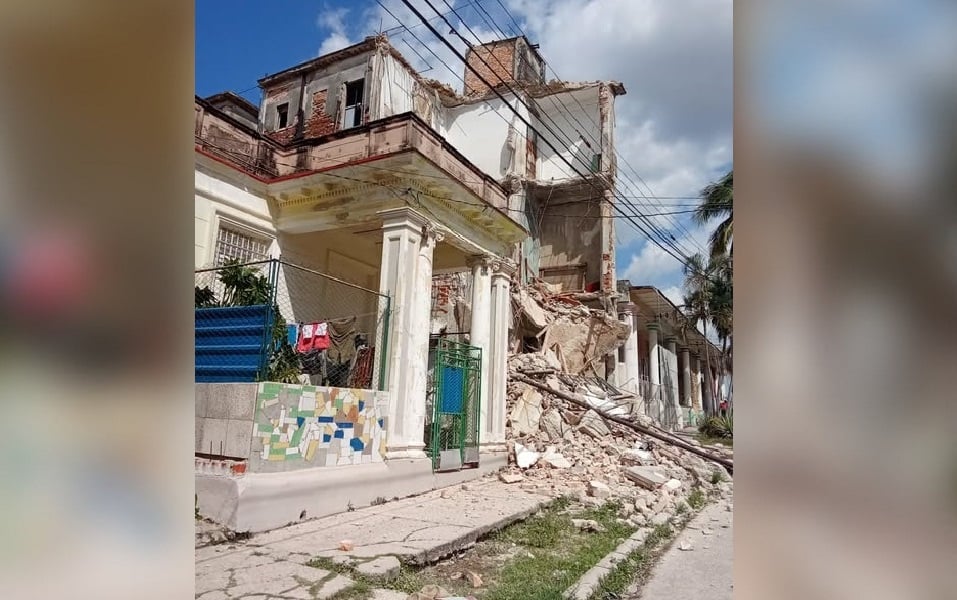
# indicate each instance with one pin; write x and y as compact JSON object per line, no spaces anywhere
{"x":574,"y":118}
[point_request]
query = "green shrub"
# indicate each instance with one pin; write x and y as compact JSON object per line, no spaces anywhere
{"x":718,"y":426}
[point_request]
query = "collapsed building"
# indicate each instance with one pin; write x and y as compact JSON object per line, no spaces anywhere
{"x":410,"y":239}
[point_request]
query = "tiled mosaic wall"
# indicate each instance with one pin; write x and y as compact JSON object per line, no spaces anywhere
{"x":300,"y":426}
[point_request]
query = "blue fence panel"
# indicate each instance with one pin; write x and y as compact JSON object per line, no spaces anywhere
{"x":453,"y":389}
{"x":229,"y":343}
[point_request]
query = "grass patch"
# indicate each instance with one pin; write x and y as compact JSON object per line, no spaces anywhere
{"x":554,"y":552}
{"x":637,"y":564}
{"x":716,"y":477}
{"x":697,"y":499}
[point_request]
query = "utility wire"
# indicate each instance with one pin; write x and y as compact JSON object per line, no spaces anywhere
{"x":677,"y":223}
{"x":421,"y":17}
{"x":665,"y":237}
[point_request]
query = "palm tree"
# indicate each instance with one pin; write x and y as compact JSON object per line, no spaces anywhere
{"x":721,"y":305}
{"x":697,"y":303}
{"x":717,"y":202}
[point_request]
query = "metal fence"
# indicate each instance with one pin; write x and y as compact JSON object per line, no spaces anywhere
{"x":657,"y":406}
{"x":318,"y":329}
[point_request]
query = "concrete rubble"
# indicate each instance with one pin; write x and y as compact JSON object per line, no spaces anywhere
{"x":574,"y":338}
{"x":563,"y":447}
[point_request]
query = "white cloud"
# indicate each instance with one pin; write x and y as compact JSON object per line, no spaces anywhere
{"x":675,"y":294}
{"x":334,"y":21}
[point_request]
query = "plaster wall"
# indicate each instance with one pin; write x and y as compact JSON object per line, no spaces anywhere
{"x":489,"y":135}
{"x":574,"y":118}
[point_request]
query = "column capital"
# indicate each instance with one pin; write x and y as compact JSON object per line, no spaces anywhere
{"x":504,"y":266}
{"x":671,"y":340}
{"x":403,"y":216}
{"x":653,"y":327}
{"x":684,"y":349}
{"x":480,"y":260}
{"x":431,"y":231}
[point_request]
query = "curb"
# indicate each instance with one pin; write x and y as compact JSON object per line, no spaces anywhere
{"x":588,"y":583}
{"x":469,"y":539}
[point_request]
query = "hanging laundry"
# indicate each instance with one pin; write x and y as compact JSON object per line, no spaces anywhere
{"x":314,"y":336}
{"x":292,"y":334}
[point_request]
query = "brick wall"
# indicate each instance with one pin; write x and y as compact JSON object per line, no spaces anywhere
{"x":500,"y":59}
{"x":318,"y":123}
{"x":283,"y":135}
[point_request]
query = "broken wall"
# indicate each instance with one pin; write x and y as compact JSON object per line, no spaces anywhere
{"x":489,"y":135}
{"x":315,"y":98}
{"x":397,"y":89}
{"x":571,"y":122}
{"x":510,"y":61}
{"x":569,"y":235}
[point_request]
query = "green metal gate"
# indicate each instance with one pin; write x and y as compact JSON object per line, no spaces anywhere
{"x":455,"y":419}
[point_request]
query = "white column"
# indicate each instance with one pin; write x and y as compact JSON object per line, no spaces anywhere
{"x":493,"y":425}
{"x":480,"y":332}
{"x":672,"y":379}
{"x":626,"y":312}
{"x":686,"y":376}
{"x":654,"y":369}
{"x":696,"y":402}
{"x":403,"y":252}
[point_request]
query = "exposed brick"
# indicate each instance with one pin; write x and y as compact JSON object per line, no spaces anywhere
{"x":283,"y":135}
{"x":319,"y":123}
{"x":498,"y":66}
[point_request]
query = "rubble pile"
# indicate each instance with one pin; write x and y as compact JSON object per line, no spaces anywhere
{"x":575,"y":336}
{"x":564,"y":447}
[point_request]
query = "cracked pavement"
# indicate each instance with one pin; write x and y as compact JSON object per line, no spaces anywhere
{"x":416,"y":530}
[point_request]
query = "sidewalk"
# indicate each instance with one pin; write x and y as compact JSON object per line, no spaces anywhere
{"x":415,"y":530}
{"x":704,"y":570}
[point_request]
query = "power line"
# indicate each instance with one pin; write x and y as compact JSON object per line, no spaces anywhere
{"x":654,"y":231}
{"x":422,"y":18}
{"x":672,"y":242}
{"x":518,"y":27}
{"x":677,"y":223}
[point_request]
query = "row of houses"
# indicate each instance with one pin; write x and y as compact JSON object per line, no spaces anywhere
{"x":357,"y":190}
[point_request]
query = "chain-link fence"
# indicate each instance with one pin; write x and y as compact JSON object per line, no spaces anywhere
{"x":312,"y":328}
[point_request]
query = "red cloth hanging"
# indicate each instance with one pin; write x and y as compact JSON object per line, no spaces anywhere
{"x":314,"y":336}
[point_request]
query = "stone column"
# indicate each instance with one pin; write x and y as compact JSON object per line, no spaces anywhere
{"x":480,"y":332}
{"x":626,"y":312}
{"x":493,"y":425}
{"x":404,"y":253}
{"x":696,"y":399}
{"x":654,"y":369}
{"x":686,"y":376}
{"x":672,"y":379}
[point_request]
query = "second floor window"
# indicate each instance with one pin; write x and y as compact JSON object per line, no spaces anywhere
{"x":282,"y":114}
{"x":353,"y":111}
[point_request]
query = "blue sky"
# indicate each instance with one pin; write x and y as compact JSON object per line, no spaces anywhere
{"x":672,"y":139}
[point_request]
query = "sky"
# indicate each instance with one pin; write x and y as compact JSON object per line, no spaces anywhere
{"x":674,"y":57}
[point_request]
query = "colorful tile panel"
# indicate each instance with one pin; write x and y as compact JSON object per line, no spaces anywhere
{"x":320,"y":425}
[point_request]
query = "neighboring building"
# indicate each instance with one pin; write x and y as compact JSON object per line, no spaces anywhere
{"x":357,"y":168}
{"x":664,"y":360}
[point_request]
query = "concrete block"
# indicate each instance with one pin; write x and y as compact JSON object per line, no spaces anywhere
{"x":216,"y":407}
{"x":241,"y":401}
{"x":214,"y":436}
{"x":647,"y":477}
{"x":202,"y":398}
{"x":238,"y":438}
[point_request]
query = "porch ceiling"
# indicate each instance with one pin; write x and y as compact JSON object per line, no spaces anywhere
{"x":653,"y":306}
{"x":352,"y":193}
